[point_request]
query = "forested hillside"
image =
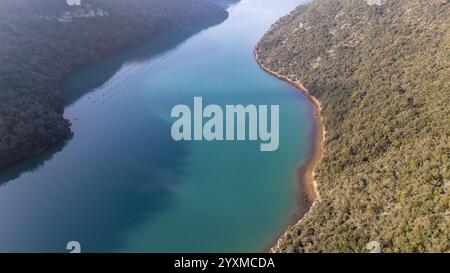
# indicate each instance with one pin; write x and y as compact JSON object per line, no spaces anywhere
{"x":381,"y":70}
{"x":41,"y":42}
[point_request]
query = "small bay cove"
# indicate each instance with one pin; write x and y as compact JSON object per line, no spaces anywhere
{"x":122,"y":184}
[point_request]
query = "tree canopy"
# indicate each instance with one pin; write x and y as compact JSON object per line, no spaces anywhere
{"x":381,"y":73}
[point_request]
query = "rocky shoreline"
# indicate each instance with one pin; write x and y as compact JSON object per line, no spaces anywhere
{"x":305,"y":172}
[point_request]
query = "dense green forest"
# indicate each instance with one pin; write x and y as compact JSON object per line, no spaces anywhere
{"x":41,"y":42}
{"x":381,"y":70}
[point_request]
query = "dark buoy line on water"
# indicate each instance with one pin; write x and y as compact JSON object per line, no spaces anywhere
{"x":118,"y":83}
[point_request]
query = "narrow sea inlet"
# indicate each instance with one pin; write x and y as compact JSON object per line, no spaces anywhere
{"x":235,"y":123}
{"x":122,"y":184}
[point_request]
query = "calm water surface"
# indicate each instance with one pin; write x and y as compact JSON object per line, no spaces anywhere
{"x":122,"y":184}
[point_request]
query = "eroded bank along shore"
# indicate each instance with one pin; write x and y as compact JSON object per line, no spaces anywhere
{"x":384,"y":173}
{"x":305,"y":172}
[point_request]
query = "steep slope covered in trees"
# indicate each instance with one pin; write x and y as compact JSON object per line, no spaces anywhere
{"x":41,"y":42}
{"x":381,"y":70}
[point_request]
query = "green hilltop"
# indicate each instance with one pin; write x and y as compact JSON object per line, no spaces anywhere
{"x":381,"y":70}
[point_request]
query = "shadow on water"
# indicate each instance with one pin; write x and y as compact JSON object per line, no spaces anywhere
{"x":100,"y":200}
{"x":118,"y":196}
{"x":225,"y":3}
{"x":31,"y":165}
{"x":95,"y":75}
{"x":93,"y":78}
{"x":97,"y":203}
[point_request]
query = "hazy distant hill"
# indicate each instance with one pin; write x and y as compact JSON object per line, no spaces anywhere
{"x":382,"y":74}
{"x":42,"y":41}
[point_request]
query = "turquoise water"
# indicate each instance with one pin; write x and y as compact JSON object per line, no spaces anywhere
{"x":122,"y":184}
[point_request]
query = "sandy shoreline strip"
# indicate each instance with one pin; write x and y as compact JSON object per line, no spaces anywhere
{"x":305,"y":172}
